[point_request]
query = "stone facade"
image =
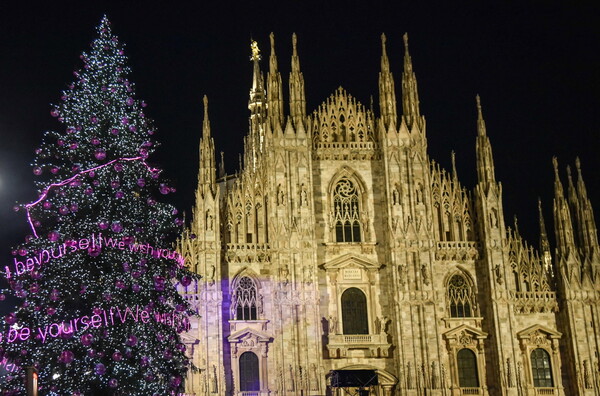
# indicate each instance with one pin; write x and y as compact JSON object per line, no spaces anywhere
{"x":340,"y":245}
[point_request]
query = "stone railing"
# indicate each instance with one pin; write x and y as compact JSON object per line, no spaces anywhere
{"x":544,"y":391}
{"x":530,"y":302}
{"x":346,"y":150}
{"x":249,"y":393}
{"x":340,"y":344}
{"x":470,"y":391}
{"x":457,"y":250}
{"x":252,"y":252}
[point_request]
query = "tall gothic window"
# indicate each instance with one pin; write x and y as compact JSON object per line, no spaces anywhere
{"x":467,"y":369}
{"x":245,"y":299}
{"x":460,"y":297}
{"x":354,"y":312}
{"x":249,"y":370}
{"x":541,"y":368}
{"x":346,"y":212}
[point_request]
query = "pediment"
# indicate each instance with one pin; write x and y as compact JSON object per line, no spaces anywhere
{"x":249,"y":334}
{"x":538,"y":330}
{"x":351,"y":260}
{"x":461,"y":330}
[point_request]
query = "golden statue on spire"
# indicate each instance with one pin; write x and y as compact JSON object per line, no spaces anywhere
{"x":255,"y":51}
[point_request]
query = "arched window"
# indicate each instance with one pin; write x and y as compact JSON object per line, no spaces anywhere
{"x":467,"y":369}
{"x":245,"y":299}
{"x":354,"y":312}
{"x":460,"y":297}
{"x":346,"y":210}
{"x":541,"y":368}
{"x":249,"y":378}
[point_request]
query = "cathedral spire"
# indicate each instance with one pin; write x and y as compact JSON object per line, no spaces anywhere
{"x":410,"y":94}
{"x":257,"y":92}
{"x":565,"y":242}
{"x":274,"y":88}
{"x":387,"y":94}
{"x":297,"y":97}
{"x":586,"y":223}
{"x":207,"y":171}
{"x":485,"y":160}
{"x":544,"y":243}
{"x":256,"y":105}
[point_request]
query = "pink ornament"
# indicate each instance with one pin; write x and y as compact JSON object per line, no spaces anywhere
{"x":53,"y":236}
{"x":22,"y":252}
{"x":119,"y":194}
{"x":186,"y":281}
{"x":114,"y":131}
{"x":74,"y":146}
{"x":164,"y":189}
{"x":16,"y":208}
{"x":113,"y":383}
{"x":54,"y":113}
{"x":94,"y":119}
{"x":66,"y":357}
{"x":150,"y":132}
{"x":117,"y":356}
{"x":118,"y":167}
{"x":103,"y":224}
{"x":37,"y":171}
{"x":132,"y":128}
{"x":54,"y":170}
{"x":100,"y":369}
{"x":63,"y":210}
{"x":141,"y":182}
{"x":94,"y":252}
{"x":151,"y":201}
{"x":2,"y":297}
{"x":116,"y":227}
{"x":87,"y":339}
{"x":60,"y":142}
{"x":47,"y":205}
{"x":124,"y":120}
{"x":129,"y":101}
{"x":11,"y":318}
{"x":136,"y":288}
{"x":50,"y":311}
{"x":100,"y":154}
{"x":115,"y":184}
{"x":74,"y":207}
{"x":132,"y":340}
{"x":95,"y":141}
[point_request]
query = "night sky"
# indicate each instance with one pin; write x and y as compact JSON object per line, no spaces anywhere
{"x":535,"y":64}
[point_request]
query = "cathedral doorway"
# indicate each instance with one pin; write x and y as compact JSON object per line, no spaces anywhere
{"x":249,"y":372}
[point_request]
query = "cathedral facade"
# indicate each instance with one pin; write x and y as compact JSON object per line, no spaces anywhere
{"x":341,"y":259}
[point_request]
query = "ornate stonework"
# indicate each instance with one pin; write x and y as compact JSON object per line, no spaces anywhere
{"x":339,"y":245}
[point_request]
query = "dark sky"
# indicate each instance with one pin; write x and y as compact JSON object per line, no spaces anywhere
{"x":536,"y":65}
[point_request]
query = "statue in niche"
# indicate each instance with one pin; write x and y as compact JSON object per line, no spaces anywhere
{"x":290,"y":378}
{"x":214,"y":384}
{"x":402,"y":274}
{"x":498,"y":272}
{"x":332,"y":324}
{"x":314,"y":382}
{"x":211,"y":275}
{"x":419,"y":193}
{"x":395,"y":196}
{"x":425,"y":274}
{"x":280,"y":196}
{"x":285,"y":274}
{"x":303,"y":196}
{"x":209,"y":221}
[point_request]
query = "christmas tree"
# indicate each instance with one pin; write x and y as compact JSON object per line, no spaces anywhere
{"x":99,"y":311}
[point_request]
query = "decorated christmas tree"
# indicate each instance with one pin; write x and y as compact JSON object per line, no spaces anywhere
{"x":99,"y":312}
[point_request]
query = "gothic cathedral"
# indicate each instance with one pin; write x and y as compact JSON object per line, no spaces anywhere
{"x":341,"y":259}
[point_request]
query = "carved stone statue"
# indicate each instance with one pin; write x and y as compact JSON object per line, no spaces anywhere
{"x":332,"y":324}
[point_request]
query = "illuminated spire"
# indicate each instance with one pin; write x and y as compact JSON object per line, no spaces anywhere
{"x":387,"y":94}
{"x":563,"y":226}
{"x":297,"y":97}
{"x":485,"y":159}
{"x":410,"y":94}
{"x":207,"y":171}
{"x":274,"y":89}
{"x":544,"y":243}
